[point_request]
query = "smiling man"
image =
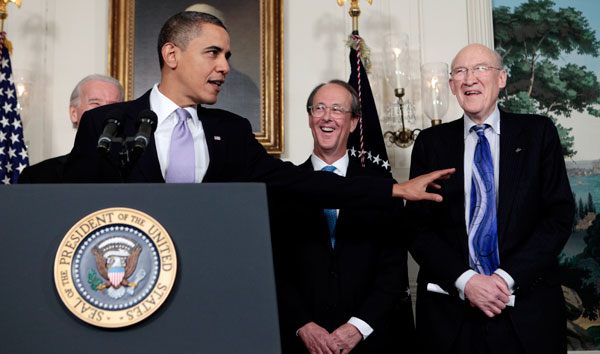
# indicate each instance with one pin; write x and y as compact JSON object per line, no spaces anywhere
{"x":90,"y":92}
{"x":340,"y":283}
{"x":488,"y":254}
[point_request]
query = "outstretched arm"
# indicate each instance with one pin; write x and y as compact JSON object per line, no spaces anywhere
{"x":415,"y":189}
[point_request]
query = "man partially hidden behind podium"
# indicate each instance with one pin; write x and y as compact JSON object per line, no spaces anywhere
{"x":92,"y":91}
{"x":194,"y":144}
{"x":341,"y":274}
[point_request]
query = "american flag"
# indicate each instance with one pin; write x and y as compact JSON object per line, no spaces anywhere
{"x":13,"y":152}
{"x":368,"y":136}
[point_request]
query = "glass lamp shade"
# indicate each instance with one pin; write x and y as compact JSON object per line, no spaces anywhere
{"x":434,"y":90}
{"x":396,"y":60}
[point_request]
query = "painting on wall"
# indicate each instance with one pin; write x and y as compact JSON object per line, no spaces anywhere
{"x":550,"y":50}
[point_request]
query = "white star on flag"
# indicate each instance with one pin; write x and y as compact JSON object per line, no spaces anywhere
{"x":21,"y":167}
{"x":352,"y":151}
{"x":7,"y":107}
{"x":385,"y":164}
{"x":376,"y":160}
{"x":11,"y":126}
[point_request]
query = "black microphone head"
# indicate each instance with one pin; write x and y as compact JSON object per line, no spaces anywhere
{"x":149,"y":117}
{"x":113,"y":125}
{"x":146,"y":125}
{"x":116,"y":115}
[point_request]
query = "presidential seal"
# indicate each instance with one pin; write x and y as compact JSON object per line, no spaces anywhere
{"x":115,"y":267}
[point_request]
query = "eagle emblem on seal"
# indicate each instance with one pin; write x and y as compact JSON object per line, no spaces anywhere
{"x":116,"y":262}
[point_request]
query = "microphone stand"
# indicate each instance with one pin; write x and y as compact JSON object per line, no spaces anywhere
{"x":126,"y":160}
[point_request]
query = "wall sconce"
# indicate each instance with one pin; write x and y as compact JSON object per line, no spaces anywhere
{"x":434,"y":91}
{"x":22,"y":88}
{"x":396,"y":63}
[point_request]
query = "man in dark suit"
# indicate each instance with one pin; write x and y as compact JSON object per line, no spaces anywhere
{"x":90,"y":92}
{"x":195,"y":144}
{"x":340,"y":281}
{"x":488,"y":254}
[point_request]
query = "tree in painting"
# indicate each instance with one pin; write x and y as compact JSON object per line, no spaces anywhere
{"x":530,"y":38}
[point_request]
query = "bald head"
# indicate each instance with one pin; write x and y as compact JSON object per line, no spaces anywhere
{"x":480,"y":47}
{"x":476,"y":80}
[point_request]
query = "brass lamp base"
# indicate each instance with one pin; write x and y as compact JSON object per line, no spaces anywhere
{"x":402,"y":138}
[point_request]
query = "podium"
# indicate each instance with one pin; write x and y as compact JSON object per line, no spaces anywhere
{"x":223,"y":299}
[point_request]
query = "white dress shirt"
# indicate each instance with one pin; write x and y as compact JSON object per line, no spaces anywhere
{"x":341,"y":167}
{"x":167,"y":118}
{"x":493,"y":137}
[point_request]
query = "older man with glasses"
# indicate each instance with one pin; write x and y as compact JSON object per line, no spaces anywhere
{"x":341,"y":274}
{"x":488,"y":254}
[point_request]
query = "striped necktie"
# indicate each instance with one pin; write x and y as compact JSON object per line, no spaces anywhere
{"x":330,"y":214}
{"x":483,"y":228}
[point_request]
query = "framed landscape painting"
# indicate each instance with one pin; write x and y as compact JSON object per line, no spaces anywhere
{"x":550,"y":50}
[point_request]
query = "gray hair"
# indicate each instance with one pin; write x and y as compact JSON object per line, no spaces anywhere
{"x":355,"y":106}
{"x":499,"y":58}
{"x":94,"y":77}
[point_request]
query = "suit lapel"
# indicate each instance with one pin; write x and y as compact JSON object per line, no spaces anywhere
{"x":511,"y":167}
{"x":147,"y":165}
{"x":354,"y":169}
{"x":454,"y":146}
{"x":320,"y":219}
{"x":209,"y":132}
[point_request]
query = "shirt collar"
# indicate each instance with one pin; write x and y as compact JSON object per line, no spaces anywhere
{"x":341,"y":165}
{"x":164,"y":107}
{"x":493,"y":121}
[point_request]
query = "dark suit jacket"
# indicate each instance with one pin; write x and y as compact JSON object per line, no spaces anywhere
{"x":47,"y":171}
{"x":235,"y":156}
{"x":363,"y":276}
{"x":535,"y":216}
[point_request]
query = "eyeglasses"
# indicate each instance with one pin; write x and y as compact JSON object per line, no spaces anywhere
{"x":336,"y":111}
{"x":478,"y":71}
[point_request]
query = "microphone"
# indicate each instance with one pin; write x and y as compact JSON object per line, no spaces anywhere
{"x":112,"y":125}
{"x":146,"y":123}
